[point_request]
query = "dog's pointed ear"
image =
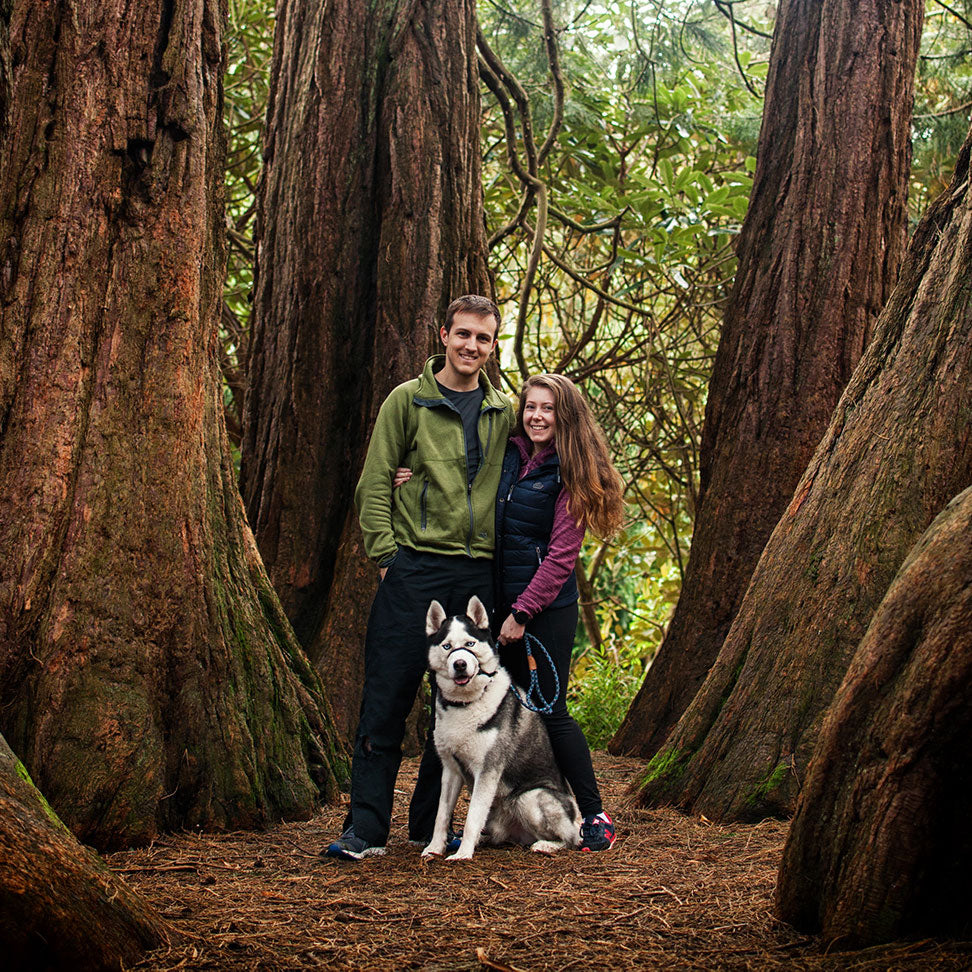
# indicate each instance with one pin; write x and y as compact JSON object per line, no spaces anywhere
{"x":477,"y":613}
{"x":435,"y":617}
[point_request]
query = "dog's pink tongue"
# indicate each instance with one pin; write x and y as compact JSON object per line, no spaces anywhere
{"x":463,"y":680}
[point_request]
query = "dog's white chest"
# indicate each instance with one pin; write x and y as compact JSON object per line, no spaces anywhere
{"x":458,"y":733}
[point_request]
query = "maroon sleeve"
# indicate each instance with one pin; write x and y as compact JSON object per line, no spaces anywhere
{"x":566,"y":538}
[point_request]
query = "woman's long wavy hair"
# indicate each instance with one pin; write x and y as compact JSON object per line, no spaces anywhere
{"x":594,"y":485}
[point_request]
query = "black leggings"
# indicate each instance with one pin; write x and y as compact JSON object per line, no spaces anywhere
{"x":555,"y":629}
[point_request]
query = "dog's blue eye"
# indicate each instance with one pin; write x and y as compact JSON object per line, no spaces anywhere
{"x":470,"y":644}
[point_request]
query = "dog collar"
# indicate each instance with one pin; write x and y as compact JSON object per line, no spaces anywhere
{"x":449,"y":704}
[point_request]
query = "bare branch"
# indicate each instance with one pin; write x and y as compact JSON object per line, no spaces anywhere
{"x":725,"y":8}
{"x":955,"y":14}
{"x":611,"y":223}
{"x":528,"y":277}
{"x":553,"y":59}
{"x":945,"y":113}
{"x":517,"y":93}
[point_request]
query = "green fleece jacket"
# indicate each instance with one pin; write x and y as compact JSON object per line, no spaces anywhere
{"x":435,"y":511}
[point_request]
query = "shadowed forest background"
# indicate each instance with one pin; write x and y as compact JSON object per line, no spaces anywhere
{"x":742,"y":228}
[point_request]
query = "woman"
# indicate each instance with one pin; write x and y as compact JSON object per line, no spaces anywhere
{"x":558,"y":481}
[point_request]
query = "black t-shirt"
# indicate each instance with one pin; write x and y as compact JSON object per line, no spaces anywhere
{"x":468,"y":404}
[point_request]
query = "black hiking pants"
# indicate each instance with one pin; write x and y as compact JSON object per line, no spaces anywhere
{"x":396,"y":659}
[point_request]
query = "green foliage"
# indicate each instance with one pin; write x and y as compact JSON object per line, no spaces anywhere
{"x":245,"y":91}
{"x":943,"y":97}
{"x":601,"y":691}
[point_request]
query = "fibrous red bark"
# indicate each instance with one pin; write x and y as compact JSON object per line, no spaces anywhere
{"x":370,"y":222}
{"x":879,"y":848}
{"x":898,"y":447}
{"x":148,"y":677}
{"x":818,"y":255}
{"x":60,"y":906}
{"x":6,"y":66}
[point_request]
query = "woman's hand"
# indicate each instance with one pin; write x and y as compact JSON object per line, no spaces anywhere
{"x":511,"y":631}
{"x":402,"y":475}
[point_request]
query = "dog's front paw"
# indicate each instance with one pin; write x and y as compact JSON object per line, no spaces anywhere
{"x":434,"y":850}
{"x":546,"y":846}
{"x":461,"y":855}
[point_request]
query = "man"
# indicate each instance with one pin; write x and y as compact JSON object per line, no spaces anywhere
{"x":432,"y":539}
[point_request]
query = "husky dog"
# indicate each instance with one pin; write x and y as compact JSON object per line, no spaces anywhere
{"x":499,"y":747}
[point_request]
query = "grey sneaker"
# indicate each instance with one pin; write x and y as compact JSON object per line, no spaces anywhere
{"x":350,"y":847}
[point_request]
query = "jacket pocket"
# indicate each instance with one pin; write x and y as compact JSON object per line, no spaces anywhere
{"x":425,"y":492}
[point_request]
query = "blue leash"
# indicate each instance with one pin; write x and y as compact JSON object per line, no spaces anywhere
{"x":543,"y":707}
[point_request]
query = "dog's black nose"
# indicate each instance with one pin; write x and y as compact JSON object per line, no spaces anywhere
{"x":459,"y":664}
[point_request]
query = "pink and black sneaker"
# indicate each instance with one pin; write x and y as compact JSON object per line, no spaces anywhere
{"x":597,"y":833}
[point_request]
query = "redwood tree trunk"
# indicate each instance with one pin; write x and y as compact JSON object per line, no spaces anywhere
{"x":897,"y":449}
{"x":370,"y":222}
{"x":6,"y":65}
{"x":148,"y":677}
{"x":879,"y":848}
{"x":818,"y":255}
{"x":60,"y":906}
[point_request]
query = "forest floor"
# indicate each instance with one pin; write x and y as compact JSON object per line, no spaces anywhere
{"x":673,"y":893}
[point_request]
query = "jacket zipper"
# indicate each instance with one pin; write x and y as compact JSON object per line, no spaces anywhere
{"x":465,"y":452}
{"x":539,"y":557}
{"x":489,"y":437}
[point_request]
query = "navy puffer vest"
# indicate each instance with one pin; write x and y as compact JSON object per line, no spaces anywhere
{"x":524,"y":520}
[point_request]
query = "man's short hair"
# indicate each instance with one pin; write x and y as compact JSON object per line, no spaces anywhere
{"x":473,"y":304}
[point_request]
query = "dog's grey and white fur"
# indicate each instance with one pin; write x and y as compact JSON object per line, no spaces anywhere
{"x":486,"y":738}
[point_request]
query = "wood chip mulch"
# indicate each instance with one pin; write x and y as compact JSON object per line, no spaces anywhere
{"x":673,"y":893}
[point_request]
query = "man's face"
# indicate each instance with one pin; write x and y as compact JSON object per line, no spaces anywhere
{"x":469,"y":341}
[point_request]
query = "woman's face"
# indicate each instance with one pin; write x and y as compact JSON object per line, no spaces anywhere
{"x":539,"y":417}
